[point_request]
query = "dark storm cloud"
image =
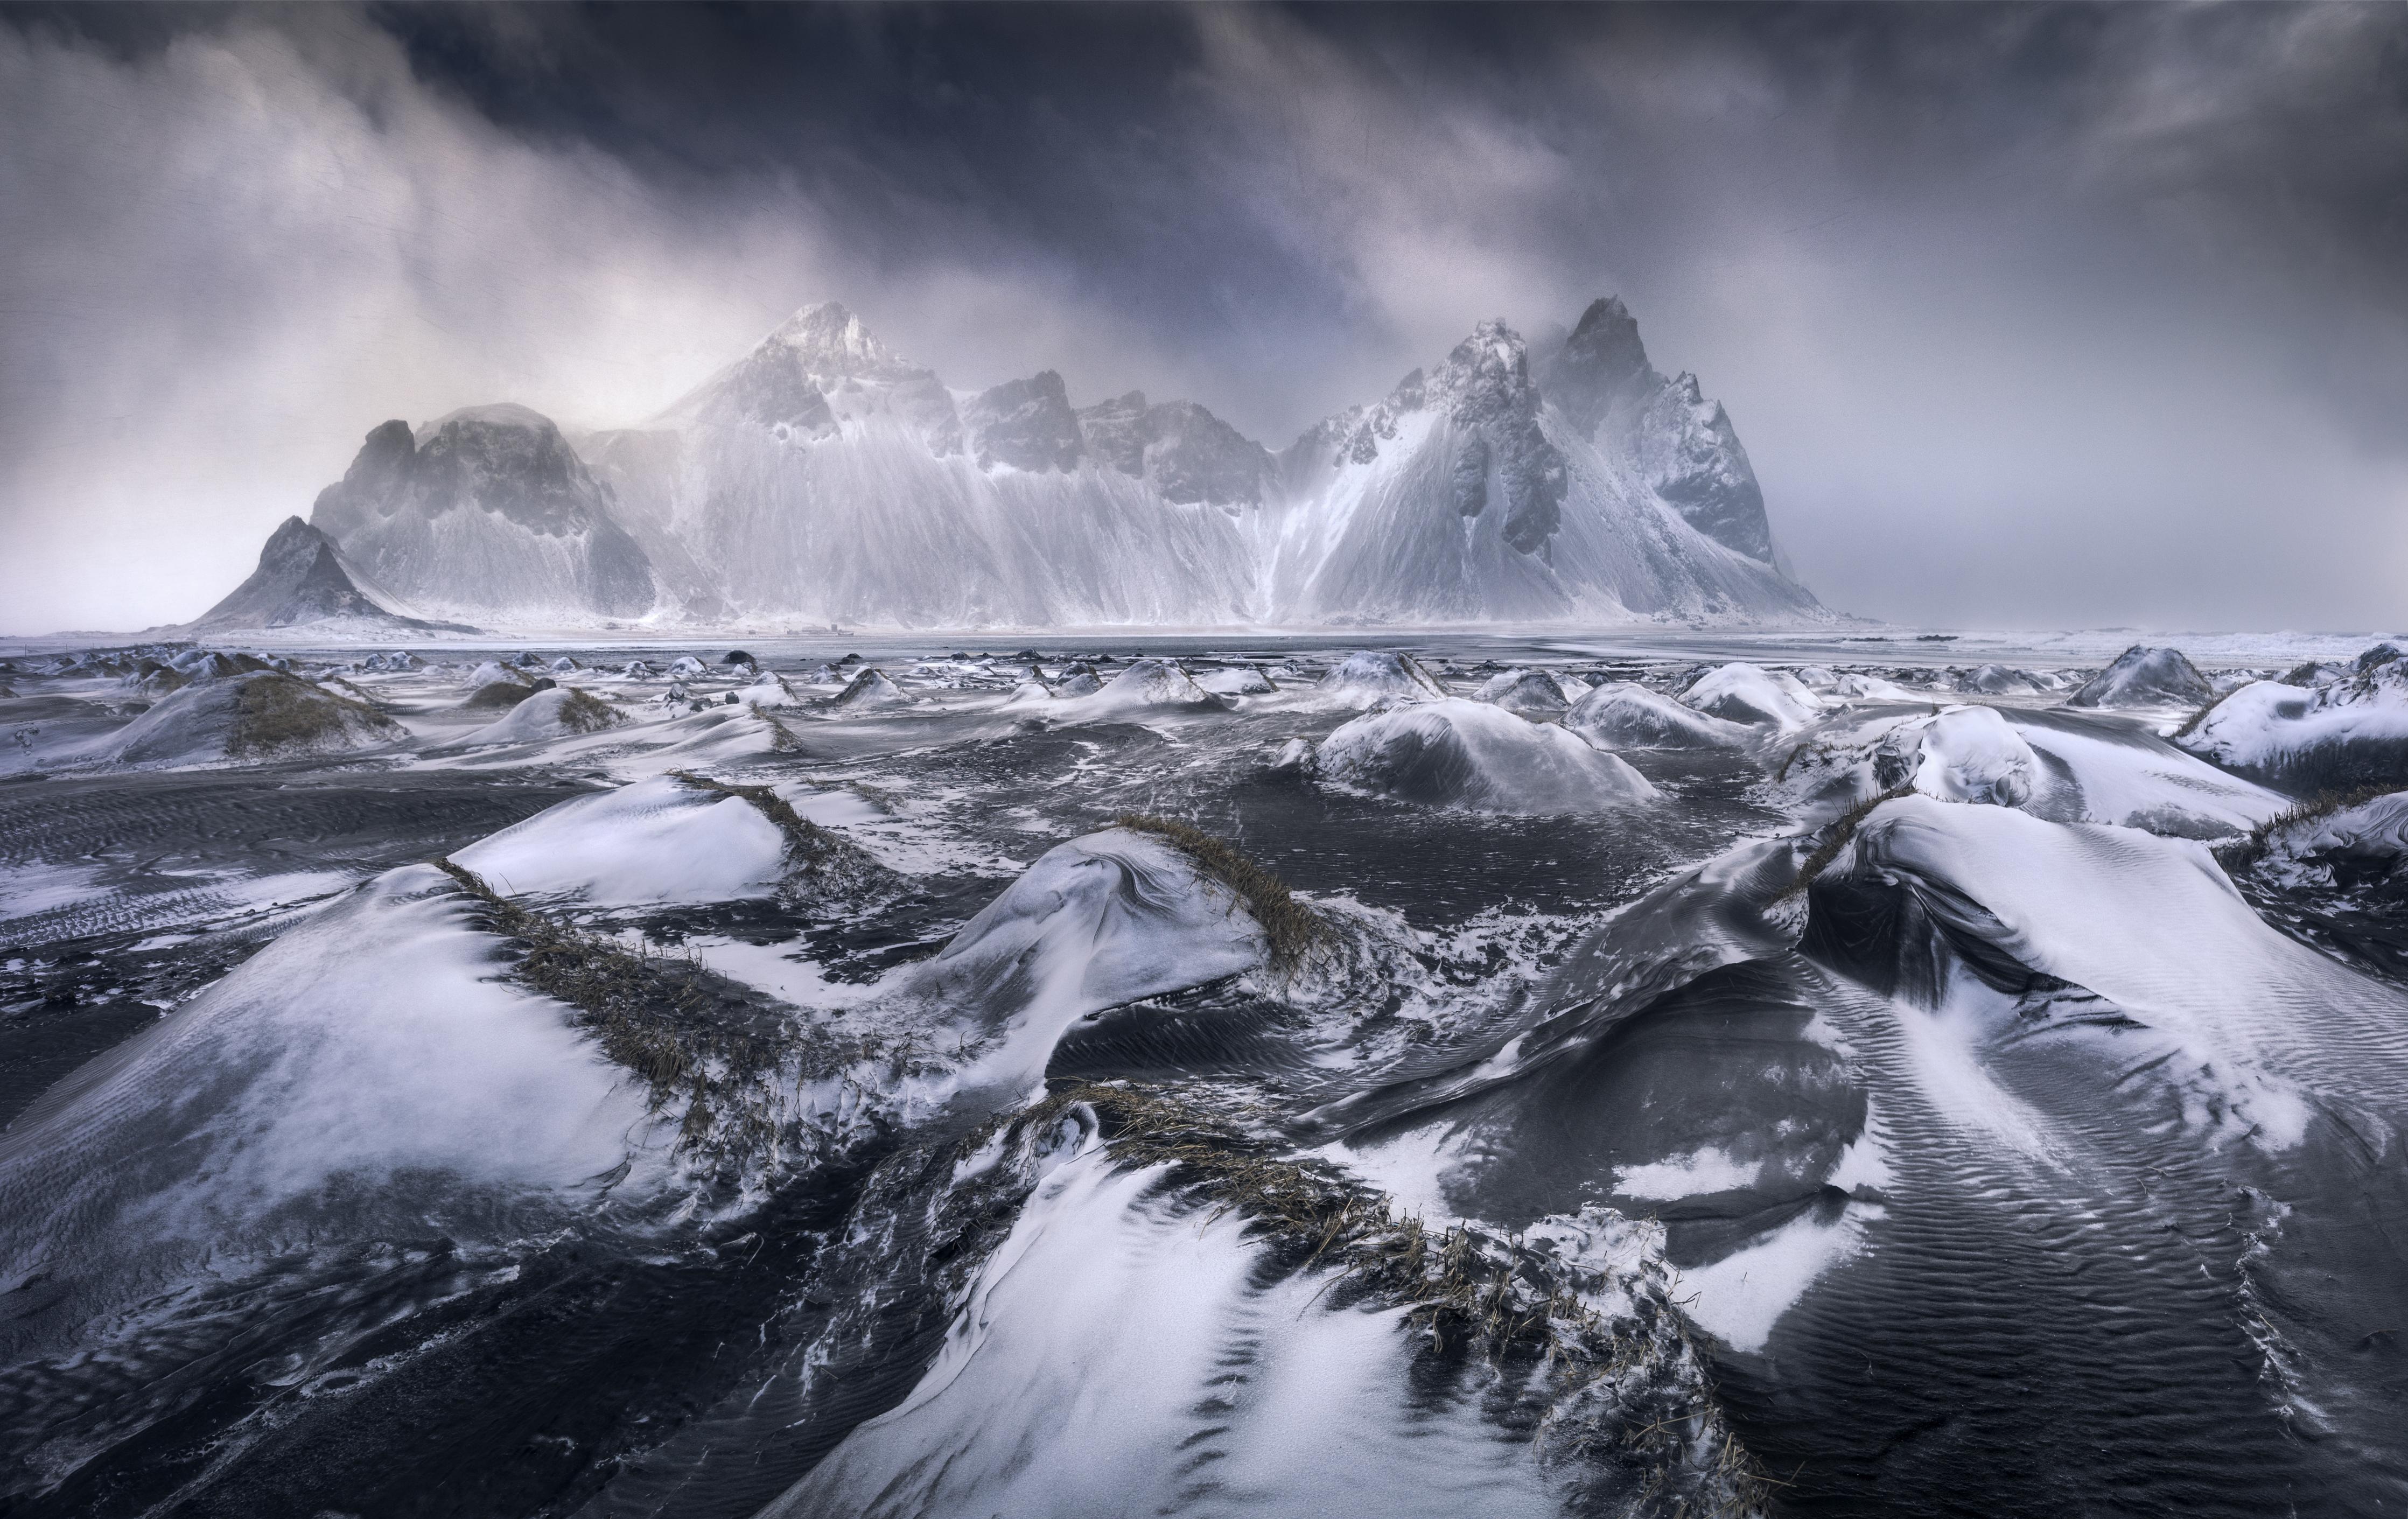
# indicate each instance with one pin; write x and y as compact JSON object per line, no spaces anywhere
{"x":2028,"y":314}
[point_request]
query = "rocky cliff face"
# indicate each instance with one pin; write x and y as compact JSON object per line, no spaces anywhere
{"x":1484,"y":391}
{"x":1681,"y":445}
{"x":1187,"y":454}
{"x":821,"y":478}
{"x":486,"y":512}
{"x":1024,"y":424}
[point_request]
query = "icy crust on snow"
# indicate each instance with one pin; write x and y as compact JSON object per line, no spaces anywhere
{"x":364,"y":1076}
{"x":871,"y":690}
{"x":1237,"y":681}
{"x":1857,"y":686}
{"x":1537,"y":694}
{"x":1147,"y":683}
{"x":655,"y":842}
{"x":2070,"y":766}
{"x":2145,"y":676}
{"x":1961,"y":754}
{"x":1624,"y":714}
{"x":1375,"y":675}
{"x":1754,"y":697}
{"x":2105,"y":771}
{"x":2349,"y":732}
{"x":1098,"y":921}
{"x":1772,"y":1124}
{"x":2000,"y":680}
{"x":1453,"y":753}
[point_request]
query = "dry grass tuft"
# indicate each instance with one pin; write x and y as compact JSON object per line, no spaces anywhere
{"x":2241,"y":853}
{"x":583,"y":712}
{"x":820,"y":862}
{"x":499,"y":695}
{"x":688,"y":1034}
{"x":276,"y":712}
{"x":782,"y":739}
{"x":620,"y":994}
{"x":2190,"y":724}
{"x":1293,"y":928}
{"x":1609,"y":1385}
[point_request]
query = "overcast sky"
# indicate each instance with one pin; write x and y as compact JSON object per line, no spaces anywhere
{"x":2028,"y":316}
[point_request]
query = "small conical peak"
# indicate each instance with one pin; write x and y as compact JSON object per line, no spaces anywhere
{"x":829,"y":336}
{"x":294,"y":547}
{"x":1607,"y":340}
{"x":1606,"y":313}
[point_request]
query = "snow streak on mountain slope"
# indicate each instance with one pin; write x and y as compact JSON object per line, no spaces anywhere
{"x":821,"y":478}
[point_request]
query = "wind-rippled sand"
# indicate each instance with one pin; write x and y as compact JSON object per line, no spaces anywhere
{"x":1478,"y":1076}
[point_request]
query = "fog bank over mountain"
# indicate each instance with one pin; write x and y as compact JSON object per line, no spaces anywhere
{"x":2080,"y":315}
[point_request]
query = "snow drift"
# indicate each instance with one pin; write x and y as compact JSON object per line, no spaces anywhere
{"x":1453,"y":753}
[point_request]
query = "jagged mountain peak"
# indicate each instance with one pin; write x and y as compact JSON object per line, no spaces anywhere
{"x":831,"y":339}
{"x":822,"y":354}
{"x":1490,"y":368}
{"x":1180,"y":448}
{"x":1025,"y":424}
{"x":1666,"y":430}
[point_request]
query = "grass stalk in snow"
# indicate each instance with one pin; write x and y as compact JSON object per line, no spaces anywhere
{"x":1624,"y":1391}
{"x":2241,"y":853}
{"x":1835,"y":838}
{"x":1292,"y":929}
{"x":685,"y":1032}
{"x":829,"y":861}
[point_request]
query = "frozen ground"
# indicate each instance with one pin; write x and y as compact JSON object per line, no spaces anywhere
{"x":1664,"y":1073}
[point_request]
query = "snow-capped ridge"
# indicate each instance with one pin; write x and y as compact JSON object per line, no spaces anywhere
{"x":821,"y":478}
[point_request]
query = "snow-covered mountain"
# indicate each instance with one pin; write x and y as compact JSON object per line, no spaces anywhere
{"x":486,"y":513}
{"x":1471,"y":494}
{"x":821,"y":478}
